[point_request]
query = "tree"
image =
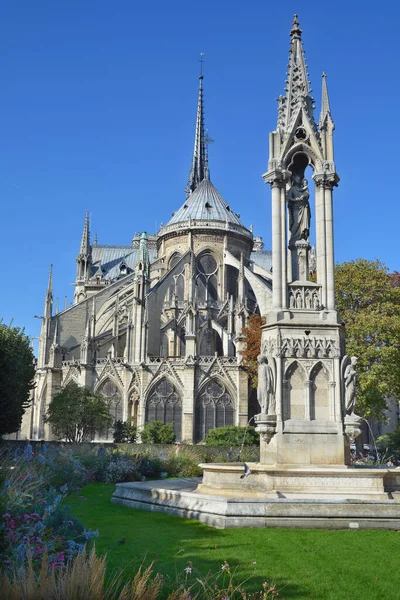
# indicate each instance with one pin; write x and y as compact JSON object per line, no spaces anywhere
{"x":389,"y":445}
{"x":368,"y":301}
{"x":232,"y":436}
{"x":17,"y":371}
{"x":124,"y":432}
{"x":158,"y":432}
{"x":77,"y":414}
{"x":252,"y":339}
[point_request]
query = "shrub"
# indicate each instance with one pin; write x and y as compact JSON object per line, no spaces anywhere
{"x":157,"y":432}
{"x":120,"y":470}
{"x":124,"y":432}
{"x":34,"y":518}
{"x":389,"y":445}
{"x":182,"y":466}
{"x":232,"y":436}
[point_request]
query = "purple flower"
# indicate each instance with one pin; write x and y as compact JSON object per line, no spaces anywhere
{"x":6,"y":516}
{"x":70,"y":523}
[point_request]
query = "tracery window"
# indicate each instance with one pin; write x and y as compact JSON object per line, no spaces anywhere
{"x":164,"y":404}
{"x":214,"y":408}
{"x":177,"y":288}
{"x":206,"y":279}
{"x":114,"y":399}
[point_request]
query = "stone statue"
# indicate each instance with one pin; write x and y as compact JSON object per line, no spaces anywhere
{"x":266,"y":386}
{"x":299,"y":209}
{"x":349,"y":380}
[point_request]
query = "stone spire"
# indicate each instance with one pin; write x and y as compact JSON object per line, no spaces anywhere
{"x":84,"y":258}
{"x":297,"y":90}
{"x":85,"y":249}
{"x":199,"y":169}
{"x":143,"y":259}
{"x":48,"y":303}
{"x":325,"y":106}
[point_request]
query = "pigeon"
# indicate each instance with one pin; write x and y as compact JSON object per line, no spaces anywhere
{"x":247,"y":471}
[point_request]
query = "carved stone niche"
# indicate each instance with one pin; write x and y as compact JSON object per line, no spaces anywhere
{"x":305,"y":297}
{"x":265,"y":426}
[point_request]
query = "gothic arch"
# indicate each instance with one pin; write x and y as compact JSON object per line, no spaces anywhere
{"x":164,"y":403}
{"x":294,"y":398}
{"x":109,"y":388}
{"x":42,"y":412}
{"x":319,"y":393}
{"x":291,"y":366}
{"x":70,"y":378}
{"x":208,"y":275}
{"x":301,"y":148}
{"x":214,"y":407}
{"x":219,"y":331}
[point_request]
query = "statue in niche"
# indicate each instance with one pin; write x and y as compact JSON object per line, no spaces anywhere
{"x":266,"y":386}
{"x":299,"y":209}
{"x":315,"y":301}
{"x":349,"y":377}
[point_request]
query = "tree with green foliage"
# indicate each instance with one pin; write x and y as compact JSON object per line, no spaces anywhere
{"x":17,"y":370}
{"x":389,"y":445}
{"x":232,"y":436}
{"x":158,"y":432}
{"x":368,"y":301}
{"x":124,"y":432}
{"x":77,"y":414}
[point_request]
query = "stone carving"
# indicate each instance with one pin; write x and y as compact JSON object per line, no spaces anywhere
{"x":266,"y":427}
{"x":299,"y":209}
{"x":352,"y":427}
{"x":304,"y":297}
{"x":304,"y":347}
{"x":349,"y":380}
{"x":109,"y":370}
{"x":167,"y":367}
{"x":266,"y":385}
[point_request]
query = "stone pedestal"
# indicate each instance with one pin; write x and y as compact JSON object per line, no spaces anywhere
{"x":300,"y":264}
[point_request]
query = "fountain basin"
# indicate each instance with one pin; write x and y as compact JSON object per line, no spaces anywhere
{"x":288,"y":481}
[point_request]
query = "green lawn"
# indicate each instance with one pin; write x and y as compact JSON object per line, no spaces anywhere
{"x":305,"y":564}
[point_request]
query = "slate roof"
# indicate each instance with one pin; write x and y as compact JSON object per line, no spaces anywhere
{"x":262,"y":258}
{"x":109,"y":258}
{"x":206,"y":204}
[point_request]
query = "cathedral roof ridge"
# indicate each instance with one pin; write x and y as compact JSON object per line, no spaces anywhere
{"x":119,"y":246}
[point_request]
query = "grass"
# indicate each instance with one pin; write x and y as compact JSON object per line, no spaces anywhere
{"x":305,"y":564}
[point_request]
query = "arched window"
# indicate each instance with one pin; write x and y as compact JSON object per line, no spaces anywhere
{"x":214,"y":408}
{"x":164,"y":404}
{"x":111,"y":393}
{"x":206,"y":278}
{"x":210,"y":343}
{"x":177,"y":288}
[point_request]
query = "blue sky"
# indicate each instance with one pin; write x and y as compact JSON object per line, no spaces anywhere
{"x":98,"y":109}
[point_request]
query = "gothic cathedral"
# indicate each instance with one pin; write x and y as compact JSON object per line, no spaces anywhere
{"x":156,"y":326}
